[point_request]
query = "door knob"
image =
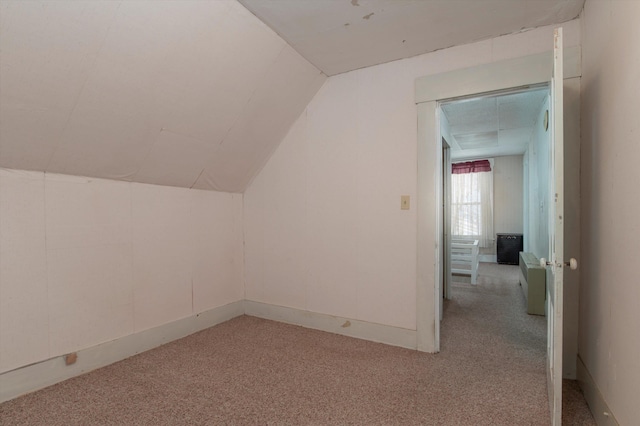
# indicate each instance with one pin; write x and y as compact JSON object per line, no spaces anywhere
{"x":572,"y":264}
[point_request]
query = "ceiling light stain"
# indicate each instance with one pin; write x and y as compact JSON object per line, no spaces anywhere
{"x":368,"y":16}
{"x":347,"y":24}
{"x":354,"y":3}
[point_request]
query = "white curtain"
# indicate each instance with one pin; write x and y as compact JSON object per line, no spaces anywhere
{"x":472,"y":206}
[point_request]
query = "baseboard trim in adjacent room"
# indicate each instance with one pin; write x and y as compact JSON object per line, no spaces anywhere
{"x":598,"y":406}
{"x":380,"y":333}
{"x":45,"y":373}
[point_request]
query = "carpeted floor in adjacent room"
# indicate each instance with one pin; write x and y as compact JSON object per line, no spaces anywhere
{"x":250,"y":371}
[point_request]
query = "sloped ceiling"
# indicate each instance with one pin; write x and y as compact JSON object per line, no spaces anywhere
{"x":197,"y":93}
{"x":181,"y":93}
{"x":342,"y":35}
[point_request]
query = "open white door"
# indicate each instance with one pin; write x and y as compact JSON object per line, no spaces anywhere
{"x":556,"y":241}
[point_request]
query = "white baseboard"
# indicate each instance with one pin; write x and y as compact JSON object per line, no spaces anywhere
{"x":387,"y":334}
{"x":598,"y":406}
{"x":489,"y":258}
{"x":51,"y":371}
{"x":45,"y":373}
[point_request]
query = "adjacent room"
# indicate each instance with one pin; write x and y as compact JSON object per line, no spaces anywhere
{"x":490,"y":141}
{"x":233,"y":212}
{"x":496,"y":186}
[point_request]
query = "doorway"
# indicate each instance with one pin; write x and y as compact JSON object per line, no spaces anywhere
{"x":494,"y":140}
{"x":523,"y":72}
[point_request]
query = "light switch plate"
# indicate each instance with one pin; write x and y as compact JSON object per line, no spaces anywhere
{"x":404,"y":202}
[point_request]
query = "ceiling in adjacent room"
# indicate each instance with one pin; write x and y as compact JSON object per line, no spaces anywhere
{"x":495,"y":125}
{"x":342,"y":35}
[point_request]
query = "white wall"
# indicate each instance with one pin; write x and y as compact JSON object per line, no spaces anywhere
{"x":85,"y":261}
{"x":537,"y":160}
{"x":314,"y":239}
{"x":507,"y":198}
{"x":323,"y":226}
{"x":507,"y":194}
{"x":609,"y":341}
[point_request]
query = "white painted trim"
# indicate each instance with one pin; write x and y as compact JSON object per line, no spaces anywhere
{"x":427,"y":290}
{"x":380,"y":333}
{"x":447,"y":276}
{"x":42,"y":374}
{"x":517,"y":72}
{"x":440,"y":243}
{"x":593,"y":396}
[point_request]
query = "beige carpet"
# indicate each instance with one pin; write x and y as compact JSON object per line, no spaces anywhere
{"x":250,"y":371}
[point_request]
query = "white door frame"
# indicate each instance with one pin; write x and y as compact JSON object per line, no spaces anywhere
{"x":513,"y":73}
{"x":446,"y":219}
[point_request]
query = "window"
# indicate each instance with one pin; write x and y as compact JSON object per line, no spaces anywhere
{"x":472,"y":201}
